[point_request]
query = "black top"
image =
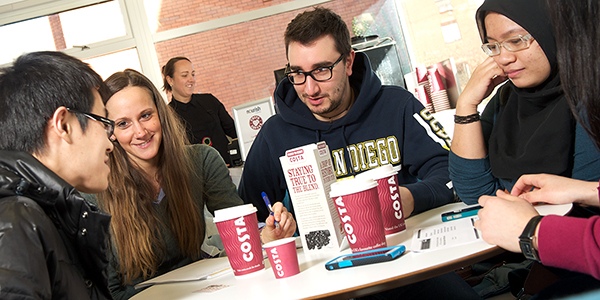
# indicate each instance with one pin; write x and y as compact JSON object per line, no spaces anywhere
{"x":534,"y":130}
{"x":207,"y":122}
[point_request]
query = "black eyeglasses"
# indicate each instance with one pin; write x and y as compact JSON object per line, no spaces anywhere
{"x":109,"y":125}
{"x":319,"y":74}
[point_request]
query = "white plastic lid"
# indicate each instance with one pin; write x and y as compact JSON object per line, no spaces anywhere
{"x":351,"y":186}
{"x":379,"y":172}
{"x":233,"y":212}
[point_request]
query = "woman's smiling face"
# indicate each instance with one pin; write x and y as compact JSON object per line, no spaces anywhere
{"x":526,"y":68}
{"x":137,"y":125}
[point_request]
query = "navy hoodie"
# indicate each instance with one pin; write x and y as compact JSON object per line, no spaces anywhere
{"x":385,"y":125}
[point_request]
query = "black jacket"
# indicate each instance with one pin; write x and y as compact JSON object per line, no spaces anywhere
{"x":53,"y":243}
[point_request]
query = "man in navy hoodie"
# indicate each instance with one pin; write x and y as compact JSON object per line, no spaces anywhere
{"x":331,"y":94}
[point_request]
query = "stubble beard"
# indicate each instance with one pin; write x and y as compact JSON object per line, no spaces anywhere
{"x":334,"y":103}
{"x":326,"y":111}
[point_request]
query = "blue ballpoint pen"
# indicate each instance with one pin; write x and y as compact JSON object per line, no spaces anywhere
{"x":269,"y":207}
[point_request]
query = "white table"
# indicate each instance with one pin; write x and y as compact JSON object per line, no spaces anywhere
{"x":314,"y":281}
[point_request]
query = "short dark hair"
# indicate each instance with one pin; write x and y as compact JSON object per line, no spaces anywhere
{"x":311,"y":25}
{"x":169,"y":69}
{"x":34,"y":87}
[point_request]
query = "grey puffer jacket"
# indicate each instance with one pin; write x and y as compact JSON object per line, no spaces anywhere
{"x":53,"y":243}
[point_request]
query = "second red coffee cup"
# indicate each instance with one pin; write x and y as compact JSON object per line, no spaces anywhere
{"x":357,"y":203}
{"x":389,"y":197}
{"x":283,"y":257}
{"x":238,"y":228}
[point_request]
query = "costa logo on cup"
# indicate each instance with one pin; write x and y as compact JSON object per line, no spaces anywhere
{"x":243,"y":238}
{"x":277,"y":261}
{"x":395,"y":195}
{"x":359,"y":211}
{"x":283,"y":257}
{"x":238,"y":228}
{"x":389,"y":196}
{"x":342,"y":211}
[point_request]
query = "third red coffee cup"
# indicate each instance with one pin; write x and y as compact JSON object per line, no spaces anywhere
{"x":283,"y":257}
{"x":357,"y":203}
{"x":389,"y":197}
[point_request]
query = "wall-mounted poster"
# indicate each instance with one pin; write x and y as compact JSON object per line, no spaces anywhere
{"x":249,"y":118}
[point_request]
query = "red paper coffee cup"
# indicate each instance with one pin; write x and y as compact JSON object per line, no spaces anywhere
{"x":358,"y":206}
{"x":238,"y":228}
{"x":283,"y":257}
{"x":421,"y":74}
{"x":389,"y":197}
{"x":436,"y":80}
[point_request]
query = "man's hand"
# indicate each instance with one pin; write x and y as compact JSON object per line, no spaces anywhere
{"x":287,"y":224}
{"x":503,"y":218}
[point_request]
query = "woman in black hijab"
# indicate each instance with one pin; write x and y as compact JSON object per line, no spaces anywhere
{"x":567,"y":246}
{"x":527,"y":126}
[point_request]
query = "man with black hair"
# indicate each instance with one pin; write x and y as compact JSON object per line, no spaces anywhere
{"x":54,"y":144}
{"x":331,"y":94}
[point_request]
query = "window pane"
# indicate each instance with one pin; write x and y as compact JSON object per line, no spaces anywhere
{"x":438,"y":34}
{"x":451,"y":32}
{"x":32,"y":35}
{"x":92,"y":24}
{"x":108,"y":64}
{"x":62,"y":31}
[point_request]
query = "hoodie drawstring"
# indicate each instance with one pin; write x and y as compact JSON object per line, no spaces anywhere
{"x":347,"y":160}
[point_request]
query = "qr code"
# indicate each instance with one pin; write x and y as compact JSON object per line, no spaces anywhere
{"x":317,"y":239}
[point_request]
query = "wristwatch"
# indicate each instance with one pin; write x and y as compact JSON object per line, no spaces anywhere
{"x":526,"y":239}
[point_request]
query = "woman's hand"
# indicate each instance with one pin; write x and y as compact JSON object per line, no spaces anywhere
{"x":556,"y":189}
{"x":484,"y":79}
{"x":287,"y":224}
{"x":468,"y":141}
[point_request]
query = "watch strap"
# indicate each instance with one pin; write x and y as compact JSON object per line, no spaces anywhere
{"x":526,"y":239}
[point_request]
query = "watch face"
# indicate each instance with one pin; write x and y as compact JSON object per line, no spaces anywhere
{"x":528,"y":250}
{"x":526,"y":239}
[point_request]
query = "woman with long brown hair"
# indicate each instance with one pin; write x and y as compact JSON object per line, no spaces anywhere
{"x":158,"y":187}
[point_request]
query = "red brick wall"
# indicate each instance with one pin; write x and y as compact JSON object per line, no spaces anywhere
{"x":178,"y":13}
{"x":57,"y":32}
{"x":236,"y":63}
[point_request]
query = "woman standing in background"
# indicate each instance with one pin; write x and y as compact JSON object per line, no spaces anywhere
{"x":207,"y":121}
